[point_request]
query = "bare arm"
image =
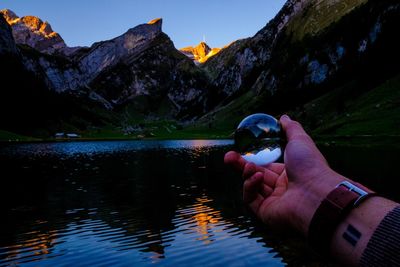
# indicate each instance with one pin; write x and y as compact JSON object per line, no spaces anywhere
{"x":287,"y":195}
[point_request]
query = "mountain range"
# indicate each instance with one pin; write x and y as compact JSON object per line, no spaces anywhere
{"x":316,"y":60}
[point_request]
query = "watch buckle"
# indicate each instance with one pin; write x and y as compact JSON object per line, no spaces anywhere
{"x":355,"y":189}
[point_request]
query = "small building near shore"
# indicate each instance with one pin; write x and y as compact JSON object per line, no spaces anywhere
{"x":73,"y":135}
{"x":66,"y":135}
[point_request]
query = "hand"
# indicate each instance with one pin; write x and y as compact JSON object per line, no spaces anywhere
{"x":287,"y":194}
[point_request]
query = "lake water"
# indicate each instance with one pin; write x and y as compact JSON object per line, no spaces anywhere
{"x":142,"y":203}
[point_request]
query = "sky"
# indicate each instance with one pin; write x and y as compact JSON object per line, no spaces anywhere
{"x":83,"y":22}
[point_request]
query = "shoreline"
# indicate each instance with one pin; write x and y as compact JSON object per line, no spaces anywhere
{"x":320,"y":140}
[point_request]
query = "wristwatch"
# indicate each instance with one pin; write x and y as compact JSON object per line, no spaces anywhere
{"x":332,"y":210}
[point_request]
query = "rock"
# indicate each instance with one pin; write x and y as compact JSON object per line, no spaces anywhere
{"x":246,"y":64}
{"x":7,"y":43}
{"x":317,"y":72}
{"x":106,"y":54}
{"x":235,"y":65}
{"x":32,"y":31}
{"x":200,"y":53}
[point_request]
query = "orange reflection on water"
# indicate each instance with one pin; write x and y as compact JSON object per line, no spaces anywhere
{"x":206,"y":219}
{"x":39,"y":244}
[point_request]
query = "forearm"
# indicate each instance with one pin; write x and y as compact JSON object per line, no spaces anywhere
{"x":354,"y":232}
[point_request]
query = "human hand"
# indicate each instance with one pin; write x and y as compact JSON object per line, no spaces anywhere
{"x":287,"y":195}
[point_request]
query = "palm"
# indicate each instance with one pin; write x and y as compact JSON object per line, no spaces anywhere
{"x":264,"y":195}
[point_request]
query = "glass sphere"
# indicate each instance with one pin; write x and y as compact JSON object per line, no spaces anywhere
{"x":258,"y":139}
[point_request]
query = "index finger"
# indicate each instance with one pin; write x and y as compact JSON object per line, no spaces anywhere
{"x":234,"y":159}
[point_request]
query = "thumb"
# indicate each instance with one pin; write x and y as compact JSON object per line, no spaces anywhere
{"x":293,"y":129}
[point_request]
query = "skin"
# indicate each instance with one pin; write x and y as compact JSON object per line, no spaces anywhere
{"x":287,"y":195}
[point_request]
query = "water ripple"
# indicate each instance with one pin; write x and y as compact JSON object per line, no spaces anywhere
{"x":132,"y":213}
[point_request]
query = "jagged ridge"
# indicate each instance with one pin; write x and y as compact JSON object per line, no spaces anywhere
{"x":119,"y":73}
{"x":32,"y":31}
{"x":200,"y":53}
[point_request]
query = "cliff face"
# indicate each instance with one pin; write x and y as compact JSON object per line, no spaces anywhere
{"x":7,"y":44}
{"x":200,"y":53}
{"x":106,"y":54}
{"x":305,"y":46}
{"x":308,"y":49}
{"x":244,"y":64}
{"x":140,"y":63}
{"x":325,"y":61}
{"x":32,"y":31}
{"x":157,"y":75}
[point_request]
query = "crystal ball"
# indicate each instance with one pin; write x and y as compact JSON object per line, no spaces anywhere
{"x":258,"y":139}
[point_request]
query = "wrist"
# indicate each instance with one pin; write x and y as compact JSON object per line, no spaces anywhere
{"x":332,"y":211}
{"x":312,"y":194}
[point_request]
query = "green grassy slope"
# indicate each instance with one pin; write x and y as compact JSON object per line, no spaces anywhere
{"x":376,"y":112}
{"x":13,"y":137}
{"x":342,"y":112}
{"x":318,"y":15}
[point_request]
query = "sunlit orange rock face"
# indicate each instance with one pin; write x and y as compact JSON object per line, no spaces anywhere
{"x":200,"y":53}
{"x":32,"y":31}
{"x":154,"y":21}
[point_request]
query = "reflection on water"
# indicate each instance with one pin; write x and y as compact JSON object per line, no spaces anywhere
{"x":125,"y":203}
{"x":134,"y":203}
{"x":101,"y":147}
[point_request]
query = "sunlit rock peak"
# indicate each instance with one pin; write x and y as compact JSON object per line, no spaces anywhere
{"x":200,"y":53}
{"x":155,"y":21}
{"x":32,"y":31}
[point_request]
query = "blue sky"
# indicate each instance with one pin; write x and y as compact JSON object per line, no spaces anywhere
{"x":186,"y":22}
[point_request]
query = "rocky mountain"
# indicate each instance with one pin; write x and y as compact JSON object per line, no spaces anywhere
{"x":28,"y":106}
{"x":200,"y":53}
{"x":7,"y":44}
{"x":139,"y":73}
{"x":32,"y":31}
{"x":244,"y":65}
{"x":309,"y":49}
{"x":311,"y":52}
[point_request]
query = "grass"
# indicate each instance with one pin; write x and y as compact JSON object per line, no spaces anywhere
{"x":374,"y":113}
{"x":6,"y":136}
{"x":345,"y":116}
{"x":318,"y":15}
{"x":158,"y":129}
{"x":225,"y":119}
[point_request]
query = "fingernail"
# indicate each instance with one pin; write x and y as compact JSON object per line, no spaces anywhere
{"x":285,"y":117}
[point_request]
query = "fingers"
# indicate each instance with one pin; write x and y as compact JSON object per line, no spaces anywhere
{"x":249,"y":170}
{"x":251,"y":187}
{"x":233,"y":159}
{"x":267,"y":191}
{"x":270,"y":178}
{"x":281,"y":184}
{"x":276,"y":167}
{"x":293,"y":129}
{"x":255,"y":191}
{"x":269,"y":174}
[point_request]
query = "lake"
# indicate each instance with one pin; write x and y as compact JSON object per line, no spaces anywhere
{"x":142,"y":203}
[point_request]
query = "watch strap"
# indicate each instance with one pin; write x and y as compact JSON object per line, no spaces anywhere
{"x":331,"y":212}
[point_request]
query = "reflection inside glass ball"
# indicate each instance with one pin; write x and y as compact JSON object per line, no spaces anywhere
{"x":258,"y":139}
